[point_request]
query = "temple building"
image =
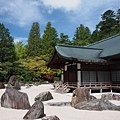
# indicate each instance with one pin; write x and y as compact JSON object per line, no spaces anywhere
{"x":96,"y":63}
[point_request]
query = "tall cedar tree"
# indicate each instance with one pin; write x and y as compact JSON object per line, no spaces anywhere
{"x":33,"y":48}
{"x":49,"y":39}
{"x":82,"y":36}
{"x":7,"y":49}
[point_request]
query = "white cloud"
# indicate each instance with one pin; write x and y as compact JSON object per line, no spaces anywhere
{"x":89,"y":12}
{"x":25,"y":12}
{"x":20,"y":12}
{"x":77,"y":10}
{"x":67,"y":5}
{"x":78,"y":6}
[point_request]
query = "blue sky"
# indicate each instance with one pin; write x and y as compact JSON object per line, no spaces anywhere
{"x":65,"y":15}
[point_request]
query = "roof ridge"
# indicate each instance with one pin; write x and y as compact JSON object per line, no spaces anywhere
{"x":74,"y":46}
{"x":103,"y":40}
{"x":66,"y":45}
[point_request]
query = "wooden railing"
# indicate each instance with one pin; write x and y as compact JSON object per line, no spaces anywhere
{"x":90,"y":85}
{"x":72,"y":84}
{"x":95,"y":84}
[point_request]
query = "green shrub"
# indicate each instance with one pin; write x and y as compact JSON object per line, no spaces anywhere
{"x":56,"y":78}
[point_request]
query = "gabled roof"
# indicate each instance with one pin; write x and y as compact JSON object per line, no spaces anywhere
{"x":110,"y":46}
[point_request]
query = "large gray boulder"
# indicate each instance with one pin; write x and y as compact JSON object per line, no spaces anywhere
{"x":80,"y":95}
{"x":97,"y":104}
{"x":54,"y":117}
{"x":12,"y":98}
{"x":44,"y":96}
{"x":13,"y":83}
{"x":36,"y":111}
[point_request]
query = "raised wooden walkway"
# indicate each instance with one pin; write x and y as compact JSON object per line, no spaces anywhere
{"x":92,"y":86}
{"x":95,"y":86}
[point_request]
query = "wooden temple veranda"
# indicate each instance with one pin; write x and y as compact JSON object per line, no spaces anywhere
{"x":96,"y":66}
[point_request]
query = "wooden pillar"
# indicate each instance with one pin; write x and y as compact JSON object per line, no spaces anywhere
{"x":65,"y":74}
{"x":90,"y":91}
{"x":78,"y":74}
{"x":65,"y":67}
{"x":78,"y":85}
{"x":62,"y":76}
{"x":100,"y":90}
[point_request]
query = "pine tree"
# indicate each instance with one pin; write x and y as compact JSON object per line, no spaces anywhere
{"x":49,"y":39}
{"x":33,"y":48}
{"x":107,"y":26}
{"x":7,"y":49}
{"x":82,"y":35}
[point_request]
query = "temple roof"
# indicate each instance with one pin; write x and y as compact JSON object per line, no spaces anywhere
{"x":97,"y":52}
{"x":79,"y":53}
{"x":110,"y":46}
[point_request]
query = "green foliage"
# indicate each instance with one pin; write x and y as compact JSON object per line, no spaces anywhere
{"x":6,"y":70}
{"x":22,"y":72}
{"x":32,"y":69}
{"x":49,"y":39}
{"x":56,"y":78}
{"x":118,"y":16}
{"x":109,"y":25}
{"x":33,"y":47}
{"x":7,"y":49}
{"x":7,"y":54}
{"x":20,"y":50}
{"x":109,"y":14}
{"x":82,"y":36}
{"x":64,"y":39}
{"x":2,"y":73}
{"x":95,"y":36}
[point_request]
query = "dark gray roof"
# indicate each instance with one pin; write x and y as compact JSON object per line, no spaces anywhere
{"x":110,"y":46}
{"x":97,"y":52}
{"x":79,"y":53}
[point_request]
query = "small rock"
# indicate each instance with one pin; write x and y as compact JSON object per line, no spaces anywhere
{"x":44,"y":96}
{"x":21,"y":83}
{"x":13,"y":83}
{"x":28,"y":85}
{"x":37,"y":83}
